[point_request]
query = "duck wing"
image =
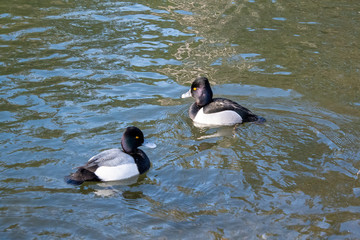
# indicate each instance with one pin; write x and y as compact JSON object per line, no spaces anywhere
{"x":109,"y":158}
{"x":223,"y":104}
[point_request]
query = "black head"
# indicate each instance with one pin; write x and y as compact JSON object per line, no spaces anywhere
{"x":132,"y":139}
{"x":201,"y":91}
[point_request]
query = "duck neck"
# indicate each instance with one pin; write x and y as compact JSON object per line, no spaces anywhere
{"x":126,"y":146}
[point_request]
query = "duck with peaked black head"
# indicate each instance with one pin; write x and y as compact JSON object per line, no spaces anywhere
{"x":216,"y":111}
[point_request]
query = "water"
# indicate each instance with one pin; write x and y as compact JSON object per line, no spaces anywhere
{"x":74,"y":75}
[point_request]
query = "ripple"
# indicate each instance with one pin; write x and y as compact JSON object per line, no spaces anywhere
{"x":21,"y":33}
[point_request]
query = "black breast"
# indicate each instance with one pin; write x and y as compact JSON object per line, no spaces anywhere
{"x":193,"y":110}
{"x":142,"y":161}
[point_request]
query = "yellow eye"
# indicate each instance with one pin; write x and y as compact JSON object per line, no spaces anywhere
{"x":137,"y":137}
{"x":194,"y":88}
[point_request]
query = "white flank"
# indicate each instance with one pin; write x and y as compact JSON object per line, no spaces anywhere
{"x":117,"y":173}
{"x":226,"y":117}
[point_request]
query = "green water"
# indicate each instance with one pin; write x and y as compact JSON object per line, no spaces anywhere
{"x":75,"y":74}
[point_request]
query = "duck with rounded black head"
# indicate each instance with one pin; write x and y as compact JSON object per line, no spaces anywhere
{"x":116,"y":164}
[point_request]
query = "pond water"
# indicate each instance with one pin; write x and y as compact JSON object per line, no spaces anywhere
{"x":75,"y":74}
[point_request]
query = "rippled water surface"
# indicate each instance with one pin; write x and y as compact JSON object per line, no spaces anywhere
{"x":75,"y":74}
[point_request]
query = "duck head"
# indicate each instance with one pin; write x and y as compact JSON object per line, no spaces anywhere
{"x":201,"y":91}
{"x":133,"y":138}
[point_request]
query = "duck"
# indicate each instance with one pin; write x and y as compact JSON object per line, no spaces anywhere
{"x":116,"y":164}
{"x":207,"y":111}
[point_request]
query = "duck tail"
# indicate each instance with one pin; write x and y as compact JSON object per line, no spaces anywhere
{"x":80,"y":176}
{"x":255,"y":119}
{"x":74,"y":179}
{"x":260,"y":120}
{"x":71,"y":180}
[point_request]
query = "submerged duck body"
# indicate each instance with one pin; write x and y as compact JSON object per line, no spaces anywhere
{"x":216,"y":111}
{"x":115,"y":164}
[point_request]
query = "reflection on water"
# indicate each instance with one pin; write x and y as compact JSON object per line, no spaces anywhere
{"x":74,"y":75}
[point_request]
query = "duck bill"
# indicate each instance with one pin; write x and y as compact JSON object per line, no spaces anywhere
{"x":187,"y":94}
{"x":149,"y":144}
